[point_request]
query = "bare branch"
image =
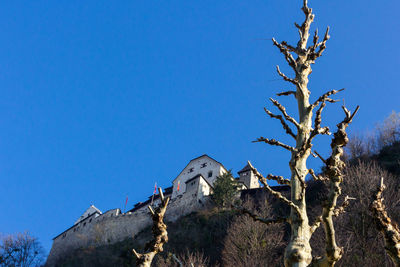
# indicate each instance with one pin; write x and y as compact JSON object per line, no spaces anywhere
{"x":283,"y":122}
{"x":278,"y":179}
{"x":315,"y":42}
{"x":177,"y":260}
{"x":285,"y":77}
{"x":336,"y":212}
{"x":322,"y":45}
{"x":255,"y":217}
{"x":285,"y":50}
{"x":273,"y":142}
{"x":317,"y":127}
{"x":349,"y":116}
{"x":288,"y":46}
{"x":283,"y":110}
{"x":325,"y":97}
{"x":287,"y":93}
{"x":159,"y":232}
{"x":342,"y":208}
{"x":319,"y":156}
{"x":263,"y":180}
{"x":315,"y":177}
{"x":317,"y":122}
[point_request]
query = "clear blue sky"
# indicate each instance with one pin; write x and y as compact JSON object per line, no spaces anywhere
{"x":100,"y":99}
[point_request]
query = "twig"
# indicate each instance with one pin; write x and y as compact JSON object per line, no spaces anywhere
{"x":285,"y":77}
{"x":177,"y":260}
{"x":287,"y":93}
{"x":263,"y":180}
{"x":323,"y":160}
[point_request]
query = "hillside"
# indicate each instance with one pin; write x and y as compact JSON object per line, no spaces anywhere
{"x":227,"y":238}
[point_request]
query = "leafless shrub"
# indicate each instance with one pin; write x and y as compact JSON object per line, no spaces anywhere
{"x":187,"y":259}
{"x":250,"y":243}
{"x":361,"y":146}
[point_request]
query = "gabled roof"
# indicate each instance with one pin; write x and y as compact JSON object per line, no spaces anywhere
{"x":246,"y":168}
{"x":91,"y":210}
{"x":204,"y":155}
{"x":199,"y":176}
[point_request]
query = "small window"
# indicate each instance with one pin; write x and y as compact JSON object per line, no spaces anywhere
{"x":209,"y":174}
{"x":84,"y":224}
{"x":204,"y":165}
{"x":90,"y":220}
{"x":191,"y":169}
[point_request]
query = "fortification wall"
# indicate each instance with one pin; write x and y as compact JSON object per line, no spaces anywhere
{"x":113,"y":226}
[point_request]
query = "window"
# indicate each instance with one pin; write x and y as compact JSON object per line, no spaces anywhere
{"x":203,"y":165}
{"x":209,"y":174}
{"x":84,"y":224}
{"x":90,"y":220}
{"x":191,"y":169}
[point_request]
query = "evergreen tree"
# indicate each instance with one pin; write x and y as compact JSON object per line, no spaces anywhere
{"x":225,"y":190}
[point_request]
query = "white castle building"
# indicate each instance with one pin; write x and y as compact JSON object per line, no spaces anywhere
{"x":189,"y":192}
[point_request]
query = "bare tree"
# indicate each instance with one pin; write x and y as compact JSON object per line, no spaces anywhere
{"x":159,"y":232}
{"x":20,"y":250}
{"x":386,"y":226}
{"x":298,"y":251}
{"x":389,"y":130}
{"x":250,"y":243}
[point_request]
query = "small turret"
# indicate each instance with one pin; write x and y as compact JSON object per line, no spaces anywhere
{"x":247,"y":177}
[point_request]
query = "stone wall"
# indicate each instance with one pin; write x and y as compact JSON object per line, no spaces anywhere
{"x":113,"y":226}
